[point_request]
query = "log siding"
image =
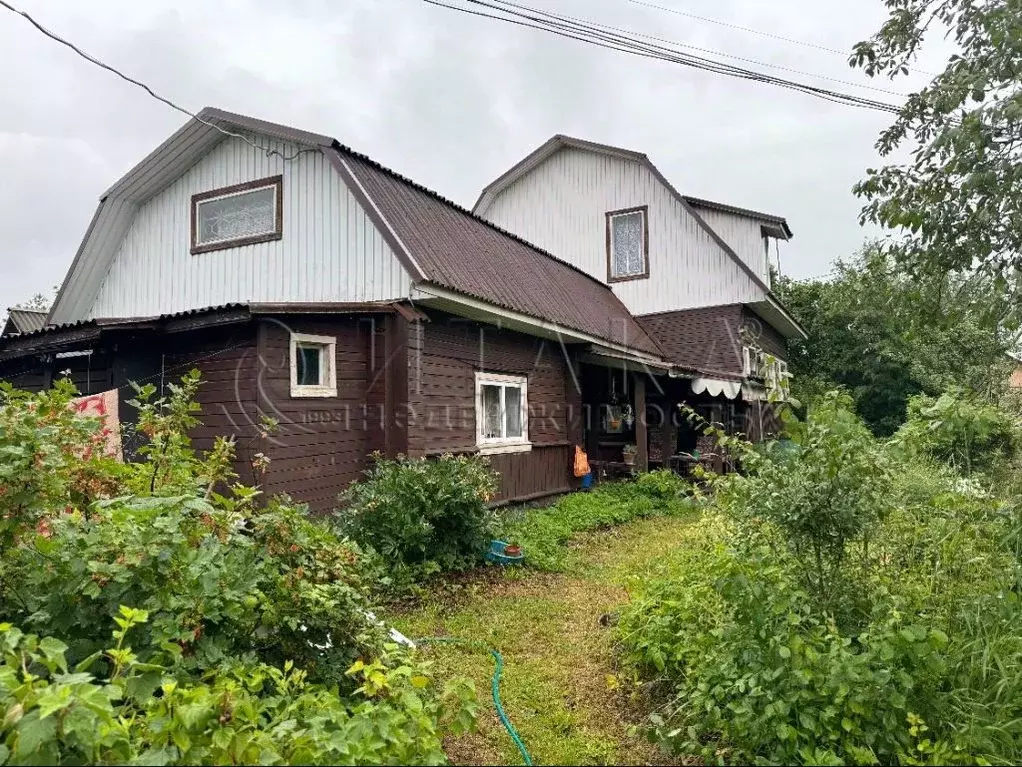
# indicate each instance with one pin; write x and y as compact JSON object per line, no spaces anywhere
{"x":445,"y":354}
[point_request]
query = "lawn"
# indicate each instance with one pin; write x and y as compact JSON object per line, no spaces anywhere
{"x":561,"y":687}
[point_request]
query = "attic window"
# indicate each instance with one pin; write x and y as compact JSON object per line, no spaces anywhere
{"x":627,"y":244}
{"x":243,"y":214}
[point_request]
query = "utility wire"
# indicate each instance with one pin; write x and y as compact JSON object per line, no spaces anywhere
{"x":752,"y":31}
{"x":632,"y":45}
{"x":588,"y":33}
{"x":93,"y":60}
{"x":709,"y":50}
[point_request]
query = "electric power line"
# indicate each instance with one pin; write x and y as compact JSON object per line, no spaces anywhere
{"x":587,"y":32}
{"x":751,"y":30}
{"x":710,"y":51}
{"x":93,"y":60}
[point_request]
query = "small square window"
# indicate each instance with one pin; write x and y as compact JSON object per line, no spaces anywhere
{"x":238,"y":215}
{"x":313,"y":371}
{"x":502,"y":413}
{"x":627,"y":245}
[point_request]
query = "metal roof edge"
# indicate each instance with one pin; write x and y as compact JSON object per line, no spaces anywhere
{"x":723,"y":207}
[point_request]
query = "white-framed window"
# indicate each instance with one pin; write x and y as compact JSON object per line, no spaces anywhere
{"x":750,"y":361}
{"x":313,"y":369}
{"x":627,"y":244}
{"x":243,"y":214}
{"x":502,"y":413}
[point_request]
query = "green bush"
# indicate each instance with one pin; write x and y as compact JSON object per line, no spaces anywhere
{"x":904,"y":647}
{"x":662,"y":485}
{"x":244,"y":713}
{"x":423,"y":515}
{"x":761,"y":677}
{"x":824,"y":498}
{"x":220,"y":593}
{"x":543,"y":533}
{"x":960,"y":430}
{"x":212,"y":587}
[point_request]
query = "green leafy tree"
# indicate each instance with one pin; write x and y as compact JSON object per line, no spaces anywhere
{"x":964,"y":432}
{"x":957,"y":201}
{"x":885,"y":337}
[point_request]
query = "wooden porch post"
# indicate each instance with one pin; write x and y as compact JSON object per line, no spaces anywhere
{"x":641,"y":443}
{"x":668,"y":435}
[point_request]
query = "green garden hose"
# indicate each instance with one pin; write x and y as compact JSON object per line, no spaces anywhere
{"x":494,"y":685}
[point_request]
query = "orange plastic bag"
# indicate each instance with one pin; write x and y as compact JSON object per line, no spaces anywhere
{"x":581,"y":462}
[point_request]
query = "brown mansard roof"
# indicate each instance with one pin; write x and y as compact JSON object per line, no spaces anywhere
{"x":453,"y":248}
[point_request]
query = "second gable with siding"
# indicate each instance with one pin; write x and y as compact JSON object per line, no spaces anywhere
{"x":560,"y":205}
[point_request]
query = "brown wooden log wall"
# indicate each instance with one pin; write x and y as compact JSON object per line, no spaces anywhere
{"x":444,"y":355}
{"x":322,"y":444}
{"x":227,"y":360}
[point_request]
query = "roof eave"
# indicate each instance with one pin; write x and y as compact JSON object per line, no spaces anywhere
{"x":772,"y":310}
{"x":478,"y":308}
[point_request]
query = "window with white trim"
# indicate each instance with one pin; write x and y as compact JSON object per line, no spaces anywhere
{"x":627,"y":245}
{"x":502,"y":413}
{"x":313,"y":369}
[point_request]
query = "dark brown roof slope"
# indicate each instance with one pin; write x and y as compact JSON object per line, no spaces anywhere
{"x":460,"y":251}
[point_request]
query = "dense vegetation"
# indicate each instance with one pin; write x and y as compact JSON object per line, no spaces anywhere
{"x":156,"y":613}
{"x":850,"y":601}
{"x":951,"y":201}
{"x":886,"y":336}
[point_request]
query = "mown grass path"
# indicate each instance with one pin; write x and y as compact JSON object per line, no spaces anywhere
{"x":561,"y":686}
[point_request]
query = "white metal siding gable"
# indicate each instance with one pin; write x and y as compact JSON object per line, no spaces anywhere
{"x":744,"y":235}
{"x":561,"y":205}
{"x":330,"y":250}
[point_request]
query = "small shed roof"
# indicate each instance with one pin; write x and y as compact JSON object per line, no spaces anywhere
{"x":24,"y":320}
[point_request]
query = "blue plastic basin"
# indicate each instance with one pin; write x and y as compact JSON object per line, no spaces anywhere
{"x":497,"y":555}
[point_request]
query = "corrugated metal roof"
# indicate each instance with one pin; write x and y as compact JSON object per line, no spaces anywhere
{"x":458,"y":250}
{"x":24,"y":320}
{"x":106,"y":322}
{"x":725,"y":208}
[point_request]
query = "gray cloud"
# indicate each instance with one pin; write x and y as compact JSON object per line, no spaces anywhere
{"x":447,"y":99}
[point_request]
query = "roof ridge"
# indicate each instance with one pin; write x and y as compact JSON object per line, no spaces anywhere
{"x":461,"y":209}
{"x":540,"y":154}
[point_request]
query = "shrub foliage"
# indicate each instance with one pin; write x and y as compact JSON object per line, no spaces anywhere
{"x":423,"y":515}
{"x":240,"y":629}
{"x":844,"y":602}
{"x":543,"y":534}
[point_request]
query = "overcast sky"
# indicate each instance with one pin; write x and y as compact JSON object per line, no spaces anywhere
{"x":449,"y":100}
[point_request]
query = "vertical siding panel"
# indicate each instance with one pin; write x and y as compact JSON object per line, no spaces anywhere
{"x":743,"y":234}
{"x":330,"y":250}
{"x":561,"y":204}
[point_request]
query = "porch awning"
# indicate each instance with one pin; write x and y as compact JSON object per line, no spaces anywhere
{"x":716,"y":386}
